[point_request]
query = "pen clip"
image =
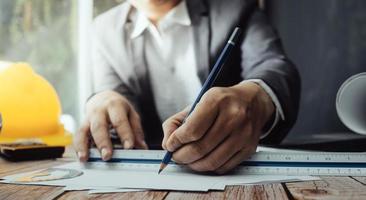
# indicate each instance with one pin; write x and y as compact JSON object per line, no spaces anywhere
{"x":235,"y":36}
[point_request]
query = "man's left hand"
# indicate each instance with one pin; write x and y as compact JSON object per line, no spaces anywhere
{"x":222,"y":131}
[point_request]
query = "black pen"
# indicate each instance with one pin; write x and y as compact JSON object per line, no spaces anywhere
{"x":208,"y":83}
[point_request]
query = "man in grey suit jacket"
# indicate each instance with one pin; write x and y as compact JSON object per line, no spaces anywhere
{"x":149,"y":55}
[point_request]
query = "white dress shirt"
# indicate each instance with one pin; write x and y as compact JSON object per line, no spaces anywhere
{"x":170,"y":56}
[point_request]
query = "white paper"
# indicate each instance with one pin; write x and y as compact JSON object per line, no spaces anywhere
{"x":80,"y":188}
{"x":102,"y":176}
{"x":114,"y":191}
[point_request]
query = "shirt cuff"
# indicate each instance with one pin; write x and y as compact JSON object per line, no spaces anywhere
{"x":279,"y":111}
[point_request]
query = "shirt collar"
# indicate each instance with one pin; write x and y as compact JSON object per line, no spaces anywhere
{"x":178,"y":15}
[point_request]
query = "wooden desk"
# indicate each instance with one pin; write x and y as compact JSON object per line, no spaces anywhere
{"x":327,"y":188}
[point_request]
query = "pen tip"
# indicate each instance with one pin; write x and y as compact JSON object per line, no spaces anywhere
{"x":162,"y":166}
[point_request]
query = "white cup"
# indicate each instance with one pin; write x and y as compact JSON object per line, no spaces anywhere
{"x":351,"y":103}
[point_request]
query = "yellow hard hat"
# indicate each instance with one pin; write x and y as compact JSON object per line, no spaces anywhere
{"x":30,"y":108}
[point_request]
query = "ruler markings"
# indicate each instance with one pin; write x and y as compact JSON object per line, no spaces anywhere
{"x":284,"y":163}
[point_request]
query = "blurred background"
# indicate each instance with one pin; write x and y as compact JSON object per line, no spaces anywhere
{"x":50,"y":36}
{"x":325,"y":39}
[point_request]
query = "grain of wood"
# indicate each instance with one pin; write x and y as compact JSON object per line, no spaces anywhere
{"x":150,"y":195}
{"x":328,"y":188}
{"x":20,"y":167}
{"x":74,"y":195}
{"x":15,"y":192}
{"x":266,"y":191}
{"x":195,"y":195}
{"x":8,"y":168}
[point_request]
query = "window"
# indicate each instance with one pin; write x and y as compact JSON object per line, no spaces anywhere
{"x":51,"y":35}
{"x":42,"y":33}
{"x":101,"y":6}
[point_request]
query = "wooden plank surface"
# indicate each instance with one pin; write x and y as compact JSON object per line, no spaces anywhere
{"x":195,"y":195}
{"x":122,"y":196}
{"x":328,"y":188}
{"x":267,"y":191}
{"x":15,"y":192}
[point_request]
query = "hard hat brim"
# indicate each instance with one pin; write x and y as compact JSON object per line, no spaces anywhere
{"x":63,"y":138}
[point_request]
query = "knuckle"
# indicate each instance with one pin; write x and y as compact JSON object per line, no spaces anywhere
{"x":166,"y":124}
{"x":191,"y":136}
{"x":234,"y":110}
{"x":216,"y":90}
{"x":212,"y":95}
{"x":119,"y":121}
{"x":242,"y":112}
{"x":212,"y":164}
{"x":197,"y":150}
{"x":209,"y":100}
{"x":96,"y":110}
{"x":173,"y":142}
{"x":225,"y":100}
{"x":98,"y":126}
{"x":114,"y":102}
{"x":182,"y":135}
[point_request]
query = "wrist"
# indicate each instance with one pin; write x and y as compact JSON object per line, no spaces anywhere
{"x":261,"y":102}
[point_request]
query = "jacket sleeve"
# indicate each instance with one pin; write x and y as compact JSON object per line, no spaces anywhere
{"x":104,"y":75}
{"x":263,"y":58}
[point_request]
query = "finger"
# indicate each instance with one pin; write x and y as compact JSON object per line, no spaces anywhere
{"x":195,"y":126}
{"x":99,"y":130}
{"x":172,"y":123}
{"x":248,"y":148}
{"x":220,"y":155}
{"x":118,"y":115}
{"x":81,"y":141}
{"x":238,"y":158}
{"x":137,"y":130}
{"x":194,"y":151}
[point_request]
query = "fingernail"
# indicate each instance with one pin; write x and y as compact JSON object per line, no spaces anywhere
{"x":144,"y":144}
{"x":127,"y":144}
{"x":81,"y":155}
{"x":105,"y":154}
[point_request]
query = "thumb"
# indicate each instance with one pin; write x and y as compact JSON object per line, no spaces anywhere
{"x":172,"y":123}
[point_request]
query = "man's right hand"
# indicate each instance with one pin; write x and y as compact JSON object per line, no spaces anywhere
{"x":104,"y":110}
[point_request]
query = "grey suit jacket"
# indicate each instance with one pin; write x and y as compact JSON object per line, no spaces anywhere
{"x":119,"y":63}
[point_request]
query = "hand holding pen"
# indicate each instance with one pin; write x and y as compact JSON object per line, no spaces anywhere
{"x":223,"y":126}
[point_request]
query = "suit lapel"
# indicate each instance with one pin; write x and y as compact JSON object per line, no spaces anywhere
{"x":201,"y":32}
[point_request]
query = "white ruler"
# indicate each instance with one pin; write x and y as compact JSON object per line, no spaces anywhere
{"x":275,"y":163}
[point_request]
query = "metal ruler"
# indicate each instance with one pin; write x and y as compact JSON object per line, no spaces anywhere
{"x":265,"y":163}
